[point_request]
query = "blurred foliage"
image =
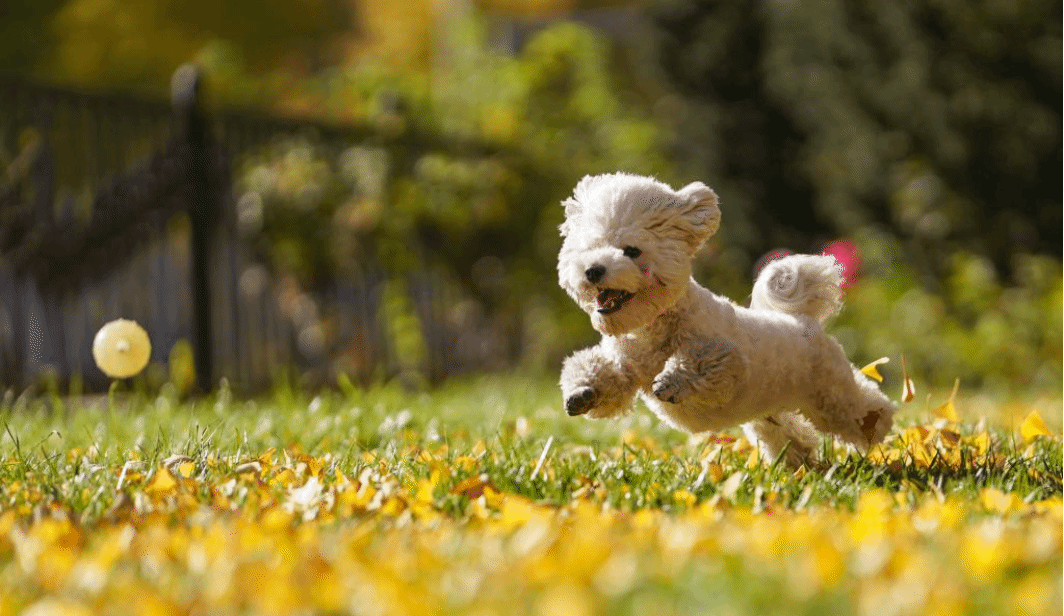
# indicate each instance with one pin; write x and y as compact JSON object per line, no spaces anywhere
{"x":938,"y":121}
{"x":990,"y":333}
{"x":941,"y":299}
{"x":136,"y":43}
{"x":24,"y":34}
{"x":927,"y":132}
{"x":488,"y":221}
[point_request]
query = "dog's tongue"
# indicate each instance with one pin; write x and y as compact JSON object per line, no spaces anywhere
{"x":606,"y":298}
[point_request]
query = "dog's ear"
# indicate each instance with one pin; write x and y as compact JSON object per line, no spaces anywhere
{"x":572,"y":210}
{"x":573,"y":207}
{"x":699,"y":214}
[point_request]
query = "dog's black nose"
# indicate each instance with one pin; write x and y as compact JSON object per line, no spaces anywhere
{"x":595,"y":273}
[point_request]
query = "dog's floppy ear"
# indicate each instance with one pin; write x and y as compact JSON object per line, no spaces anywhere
{"x":572,"y":210}
{"x":573,"y":207}
{"x":699,"y":214}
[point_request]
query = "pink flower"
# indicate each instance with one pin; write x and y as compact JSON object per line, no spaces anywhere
{"x":847,"y":256}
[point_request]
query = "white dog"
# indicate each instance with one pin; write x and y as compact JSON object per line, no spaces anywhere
{"x":698,"y":360}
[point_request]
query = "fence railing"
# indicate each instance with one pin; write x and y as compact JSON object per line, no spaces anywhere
{"x":119,"y":206}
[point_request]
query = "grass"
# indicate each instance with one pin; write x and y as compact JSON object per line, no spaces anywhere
{"x":483,"y":498}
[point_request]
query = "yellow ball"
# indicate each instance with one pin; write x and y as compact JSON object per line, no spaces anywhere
{"x":121,"y":348}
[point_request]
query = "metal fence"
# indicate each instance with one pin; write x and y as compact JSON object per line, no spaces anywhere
{"x":118,"y":206}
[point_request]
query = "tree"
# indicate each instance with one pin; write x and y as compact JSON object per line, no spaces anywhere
{"x":937,"y":120}
{"x":23,"y":33}
{"x":139,"y":43}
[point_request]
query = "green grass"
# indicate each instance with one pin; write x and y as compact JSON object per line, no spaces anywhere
{"x":465,"y":475}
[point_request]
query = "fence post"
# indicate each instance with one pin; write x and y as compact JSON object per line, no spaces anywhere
{"x":203,"y":199}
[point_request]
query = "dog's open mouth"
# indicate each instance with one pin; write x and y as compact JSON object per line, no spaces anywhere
{"x":612,"y":300}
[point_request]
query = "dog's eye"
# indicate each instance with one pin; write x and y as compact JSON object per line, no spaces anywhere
{"x":632,"y":252}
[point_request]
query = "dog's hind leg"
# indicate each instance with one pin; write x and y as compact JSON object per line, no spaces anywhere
{"x":595,"y":385}
{"x":847,"y":403}
{"x":786,"y":430}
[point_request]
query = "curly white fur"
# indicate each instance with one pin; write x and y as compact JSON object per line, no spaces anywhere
{"x":801,"y":284}
{"x":698,"y":360}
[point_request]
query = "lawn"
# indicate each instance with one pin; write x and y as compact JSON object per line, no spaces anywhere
{"x":484,"y":498}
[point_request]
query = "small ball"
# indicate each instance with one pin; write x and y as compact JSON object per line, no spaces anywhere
{"x":121,"y":348}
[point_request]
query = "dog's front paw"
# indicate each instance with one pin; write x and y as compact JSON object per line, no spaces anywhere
{"x":580,"y":401}
{"x":668,"y":387}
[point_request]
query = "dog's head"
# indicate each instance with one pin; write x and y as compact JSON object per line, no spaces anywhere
{"x":626,"y":257}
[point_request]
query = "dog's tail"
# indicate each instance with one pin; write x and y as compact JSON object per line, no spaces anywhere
{"x":800,"y":284}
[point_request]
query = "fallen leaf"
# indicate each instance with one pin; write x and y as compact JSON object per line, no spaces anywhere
{"x":908,"y":390}
{"x":685,"y":498}
{"x":162,"y":482}
{"x":947,"y":410}
{"x":872,"y":369}
{"x":472,"y":487}
{"x":1033,"y":426}
{"x":997,"y":501}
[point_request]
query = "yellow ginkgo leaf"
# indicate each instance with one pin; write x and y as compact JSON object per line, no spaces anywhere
{"x":284,"y":477}
{"x":908,"y":390}
{"x":997,"y":501}
{"x":715,"y":472}
{"x":872,"y":369}
{"x":982,"y":442}
{"x":424,"y":493}
{"x":185,"y":469}
{"x":472,"y":487}
{"x":1033,"y":426}
{"x":946,"y":410}
{"x":685,"y":498}
{"x":180,"y":465}
{"x":162,"y":482}
{"x":516,"y":511}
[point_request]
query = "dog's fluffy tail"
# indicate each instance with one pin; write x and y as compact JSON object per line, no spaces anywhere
{"x":800,"y":284}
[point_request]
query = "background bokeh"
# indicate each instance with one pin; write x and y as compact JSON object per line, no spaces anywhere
{"x":926,"y":134}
